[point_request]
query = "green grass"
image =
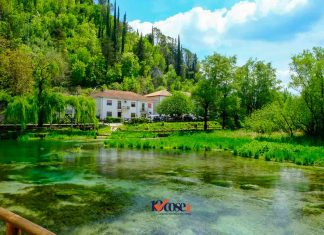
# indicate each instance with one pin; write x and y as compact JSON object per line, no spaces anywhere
{"x":64,"y":134}
{"x":168,"y":126}
{"x":104,"y":131}
{"x":61,"y":134}
{"x":276,"y":147}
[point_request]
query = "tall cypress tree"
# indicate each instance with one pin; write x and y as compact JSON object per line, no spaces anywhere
{"x":124,"y":34}
{"x":179,"y":58}
{"x":195,"y":63}
{"x":108,"y":26}
{"x":114,"y":33}
{"x":140,"y":49}
{"x":115,"y":22}
{"x":117,"y":31}
{"x":151,"y":36}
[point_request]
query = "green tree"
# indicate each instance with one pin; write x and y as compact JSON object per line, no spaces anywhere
{"x":140,"y":49}
{"x":16,"y":71}
{"x":176,"y":105}
{"x":129,"y":65}
{"x":108,"y":23}
{"x":179,"y":58}
{"x":124,"y":33}
{"x":257,"y":85}
{"x":204,"y":97}
{"x":220,"y":71}
{"x":48,"y":68}
{"x":21,"y":110}
{"x":131,"y":84}
{"x":308,"y":79}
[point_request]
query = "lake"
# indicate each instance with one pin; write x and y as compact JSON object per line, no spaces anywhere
{"x":83,"y":188}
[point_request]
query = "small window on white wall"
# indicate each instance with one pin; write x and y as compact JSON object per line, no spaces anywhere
{"x":109,"y":114}
{"x":133,"y":115}
{"x":109,"y":102}
{"x":133,"y":104}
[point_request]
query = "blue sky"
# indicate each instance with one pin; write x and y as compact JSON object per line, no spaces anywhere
{"x":270,"y":30}
{"x":154,"y":10}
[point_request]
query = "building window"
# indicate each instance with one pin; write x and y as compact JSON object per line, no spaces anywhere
{"x":143,"y":106}
{"x":119,"y":105}
{"x":109,"y":102}
{"x":133,"y":115}
{"x":133,"y":104}
{"x":149,"y":105}
{"x":109,"y":114}
{"x":119,"y":114}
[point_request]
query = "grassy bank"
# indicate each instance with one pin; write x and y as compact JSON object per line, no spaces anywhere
{"x":64,"y":134}
{"x":277,"y":147}
{"x":168,"y":126}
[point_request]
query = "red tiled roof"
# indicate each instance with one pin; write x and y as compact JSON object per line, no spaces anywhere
{"x":159,"y":93}
{"x":123,"y":95}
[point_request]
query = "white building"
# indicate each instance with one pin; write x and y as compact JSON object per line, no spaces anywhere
{"x":126,"y":104}
{"x":157,"y":97}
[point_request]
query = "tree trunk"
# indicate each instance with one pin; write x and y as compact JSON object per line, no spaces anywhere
{"x":223,"y":119}
{"x":41,"y":116}
{"x":41,"y":111}
{"x":206,"y":118}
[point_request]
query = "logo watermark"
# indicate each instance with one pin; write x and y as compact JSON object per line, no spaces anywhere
{"x":167,"y":207}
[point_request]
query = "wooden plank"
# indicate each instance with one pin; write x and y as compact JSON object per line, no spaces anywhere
{"x":15,"y":221}
{"x":11,"y":230}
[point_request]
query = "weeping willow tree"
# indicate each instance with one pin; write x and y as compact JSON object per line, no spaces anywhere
{"x":55,"y":104}
{"x":24,"y":110}
{"x":50,"y":67}
{"x":87,"y":110}
{"x":84,"y":109}
{"x":21,"y":110}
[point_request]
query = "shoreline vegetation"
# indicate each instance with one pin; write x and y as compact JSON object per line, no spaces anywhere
{"x":279,"y":147}
{"x":189,"y":136}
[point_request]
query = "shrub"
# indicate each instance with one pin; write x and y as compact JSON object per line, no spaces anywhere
{"x":138,"y":145}
{"x":113,"y":120}
{"x":147,"y":145}
{"x":139,"y":120}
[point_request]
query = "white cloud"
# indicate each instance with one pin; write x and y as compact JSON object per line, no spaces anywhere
{"x":210,"y":26}
{"x":205,"y":31}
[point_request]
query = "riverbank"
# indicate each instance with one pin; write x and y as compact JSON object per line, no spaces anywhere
{"x":99,"y":191}
{"x":60,"y":134}
{"x":276,"y":147}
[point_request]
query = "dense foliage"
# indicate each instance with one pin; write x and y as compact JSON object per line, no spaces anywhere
{"x":24,"y":109}
{"x":52,"y":47}
{"x":176,"y":105}
{"x":51,"y":50}
{"x":230,"y":93}
{"x":304,"y":112}
{"x":96,"y":46}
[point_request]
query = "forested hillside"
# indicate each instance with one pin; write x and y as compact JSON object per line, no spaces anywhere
{"x":52,"y":49}
{"x":86,"y":45}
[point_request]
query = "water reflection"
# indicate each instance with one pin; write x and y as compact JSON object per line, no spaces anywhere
{"x":229,"y":195}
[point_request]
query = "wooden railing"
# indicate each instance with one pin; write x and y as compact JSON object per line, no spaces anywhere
{"x":16,"y":225}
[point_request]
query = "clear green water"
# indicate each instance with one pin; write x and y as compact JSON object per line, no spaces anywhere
{"x":82,"y":188}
